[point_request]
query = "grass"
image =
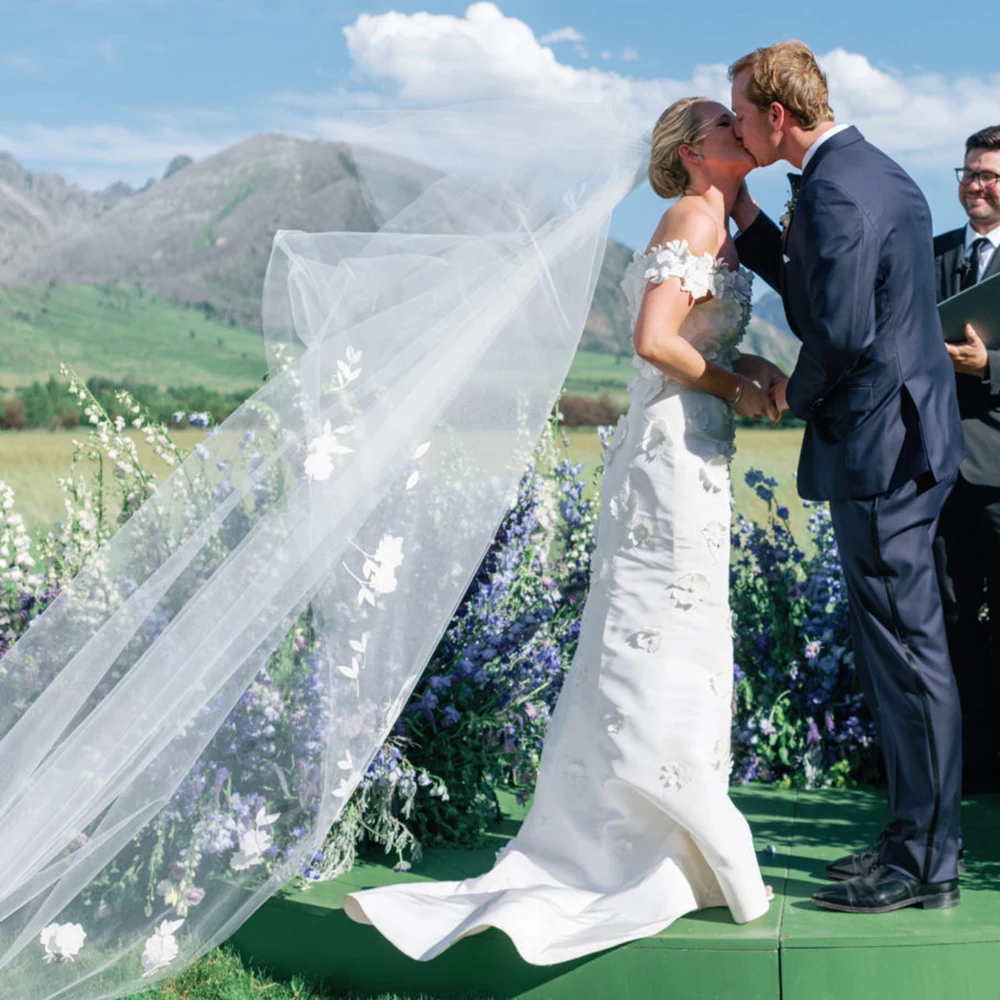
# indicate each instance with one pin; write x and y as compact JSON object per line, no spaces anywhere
{"x":32,"y":461}
{"x":222,"y":975}
{"x":121,"y":332}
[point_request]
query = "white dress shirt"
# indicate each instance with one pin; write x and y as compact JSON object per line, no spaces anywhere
{"x":818,"y":141}
{"x":986,"y":254}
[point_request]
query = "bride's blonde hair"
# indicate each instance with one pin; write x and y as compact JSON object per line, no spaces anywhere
{"x":680,"y":124}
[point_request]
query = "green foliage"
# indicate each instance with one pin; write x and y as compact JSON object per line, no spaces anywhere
{"x":53,"y":406}
{"x":120,"y":333}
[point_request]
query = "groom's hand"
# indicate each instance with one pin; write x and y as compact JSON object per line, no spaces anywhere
{"x":970,"y":358}
{"x":745,"y":209}
{"x":778,"y":396}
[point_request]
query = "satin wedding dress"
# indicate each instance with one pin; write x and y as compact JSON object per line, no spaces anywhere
{"x":631,"y":825}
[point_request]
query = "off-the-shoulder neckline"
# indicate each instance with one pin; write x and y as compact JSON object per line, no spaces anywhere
{"x":720,"y":262}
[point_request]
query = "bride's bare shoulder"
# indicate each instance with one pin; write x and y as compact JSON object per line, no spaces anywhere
{"x":690,"y":221}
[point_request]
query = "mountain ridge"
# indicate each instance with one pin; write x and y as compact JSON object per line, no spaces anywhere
{"x":202,"y":234}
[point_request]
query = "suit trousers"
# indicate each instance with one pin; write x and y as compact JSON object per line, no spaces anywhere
{"x":967,"y":550}
{"x":901,"y":657}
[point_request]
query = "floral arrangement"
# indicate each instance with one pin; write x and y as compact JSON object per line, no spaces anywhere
{"x":798,"y":715}
{"x":477,"y":719}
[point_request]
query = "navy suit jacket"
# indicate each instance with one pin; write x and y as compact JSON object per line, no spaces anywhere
{"x":856,"y":272}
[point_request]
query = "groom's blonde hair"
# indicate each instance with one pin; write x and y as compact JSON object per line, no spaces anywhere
{"x":788,"y":74}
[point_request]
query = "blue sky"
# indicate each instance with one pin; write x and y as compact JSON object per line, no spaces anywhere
{"x":104,"y":89}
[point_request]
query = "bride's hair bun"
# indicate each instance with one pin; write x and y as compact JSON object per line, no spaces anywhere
{"x":678,"y":125}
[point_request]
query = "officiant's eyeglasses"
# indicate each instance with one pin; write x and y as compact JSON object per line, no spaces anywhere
{"x":986,"y":178}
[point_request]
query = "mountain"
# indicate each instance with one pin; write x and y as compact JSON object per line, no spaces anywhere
{"x":769,"y":334}
{"x":202,"y":235}
{"x":39,"y":210}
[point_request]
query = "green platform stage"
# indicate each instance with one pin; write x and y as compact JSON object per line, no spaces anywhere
{"x":795,"y":952}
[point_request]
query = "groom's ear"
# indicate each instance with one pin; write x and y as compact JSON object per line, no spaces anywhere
{"x":777,"y":115}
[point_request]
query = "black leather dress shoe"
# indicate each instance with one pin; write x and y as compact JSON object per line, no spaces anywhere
{"x":884,"y":890}
{"x":865,"y":862}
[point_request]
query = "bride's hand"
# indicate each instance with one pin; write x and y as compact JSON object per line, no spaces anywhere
{"x":755,"y":404}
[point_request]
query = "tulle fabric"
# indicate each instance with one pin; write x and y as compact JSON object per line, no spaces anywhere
{"x":182,"y":726}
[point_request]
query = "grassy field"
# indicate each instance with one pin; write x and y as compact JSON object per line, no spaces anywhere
{"x":32,"y":461}
{"x":119,"y":332}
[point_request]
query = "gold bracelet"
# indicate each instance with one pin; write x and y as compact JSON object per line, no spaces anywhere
{"x":739,"y":392}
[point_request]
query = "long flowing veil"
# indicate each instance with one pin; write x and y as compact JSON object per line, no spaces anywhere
{"x":183,"y":724}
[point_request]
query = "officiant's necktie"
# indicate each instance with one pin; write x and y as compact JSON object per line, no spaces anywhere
{"x":970,"y":274}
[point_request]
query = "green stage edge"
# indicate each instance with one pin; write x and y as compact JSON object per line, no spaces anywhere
{"x":795,"y":952}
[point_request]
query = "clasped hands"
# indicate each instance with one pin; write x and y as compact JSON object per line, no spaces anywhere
{"x":763,"y":389}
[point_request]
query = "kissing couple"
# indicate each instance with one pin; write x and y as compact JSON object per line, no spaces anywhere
{"x":631,"y":825}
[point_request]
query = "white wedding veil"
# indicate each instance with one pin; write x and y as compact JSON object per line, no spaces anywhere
{"x":183,"y":724}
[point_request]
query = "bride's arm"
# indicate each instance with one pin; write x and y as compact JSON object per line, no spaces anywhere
{"x":657,"y":339}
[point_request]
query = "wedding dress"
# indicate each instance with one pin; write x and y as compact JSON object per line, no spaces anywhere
{"x":631,"y":825}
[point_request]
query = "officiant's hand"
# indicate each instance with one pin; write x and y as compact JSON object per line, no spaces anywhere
{"x":970,"y":358}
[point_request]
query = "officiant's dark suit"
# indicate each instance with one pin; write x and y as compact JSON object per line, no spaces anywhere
{"x":883,"y":443}
{"x":968,"y":543}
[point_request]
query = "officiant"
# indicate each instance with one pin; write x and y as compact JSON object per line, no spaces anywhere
{"x":967,"y":549}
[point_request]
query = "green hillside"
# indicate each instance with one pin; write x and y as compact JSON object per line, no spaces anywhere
{"x":121,"y":331}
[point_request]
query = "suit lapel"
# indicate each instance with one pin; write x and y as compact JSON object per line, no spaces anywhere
{"x":847,"y":137}
{"x":951,"y":265}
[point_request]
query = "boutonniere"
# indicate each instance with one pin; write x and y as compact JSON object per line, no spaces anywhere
{"x":795,"y":181}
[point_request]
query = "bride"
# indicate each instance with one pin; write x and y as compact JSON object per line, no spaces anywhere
{"x":632,"y":825}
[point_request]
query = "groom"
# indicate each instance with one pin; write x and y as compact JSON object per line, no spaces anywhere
{"x":855,"y":267}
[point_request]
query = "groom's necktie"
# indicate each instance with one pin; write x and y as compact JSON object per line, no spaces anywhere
{"x":970,"y":270}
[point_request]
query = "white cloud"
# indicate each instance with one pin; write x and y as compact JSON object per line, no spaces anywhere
{"x":18,"y":62}
{"x":923,"y":117}
{"x":561,"y":35}
{"x":95,"y":156}
{"x":428,"y":58}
